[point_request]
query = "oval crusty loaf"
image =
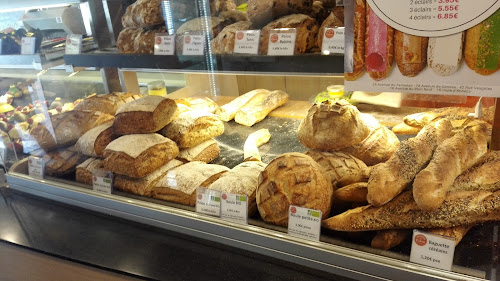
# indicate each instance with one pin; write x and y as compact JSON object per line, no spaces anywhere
{"x":335,"y":19}
{"x":62,"y":161}
{"x":144,"y":41}
{"x":292,"y":179}
{"x":227,"y":111}
{"x":218,"y":6}
{"x":261,"y":12}
{"x":204,"y":152}
{"x":484,"y":175}
{"x":224,"y":42}
{"x":93,"y":142}
{"x":332,"y":125}
{"x":107,"y":103}
{"x":126,"y":39}
{"x":306,"y":27}
{"x":85,"y":169}
{"x":143,"y":13}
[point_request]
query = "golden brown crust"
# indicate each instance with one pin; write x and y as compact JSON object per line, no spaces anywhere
{"x":143,"y":13}
{"x":144,"y":41}
{"x":193,"y":128}
{"x":355,"y":192}
{"x":484,"y":175}
{"x":85,"y":169}
{"x":457,"y":232}
{"x":225,"y":40}
{"x":93,"y":142}
{"x":107,"y":103}
{"x":62,"y":161}
{"x":404,"y":129}
{"x":423,"y":118}
{"x":386,"y":239}
{"x":259,"y":106}
{"x":410,"y":63}
{"x":204,"y":152}
{"x":126,"y":39}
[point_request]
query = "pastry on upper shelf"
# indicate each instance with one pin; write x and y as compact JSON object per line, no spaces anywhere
{"x":227,"y":111}
{"x":319,"y":12}
{"x":204,"y":152}
{"x":259,"y":106}
{"x":143,"y":13}
{"x":148,"y":114}
{"x":307,"y":29}
{"x":84,"y":170}
{"x":144,"y":41}
{"x":335,"y":19}
{"x":193,"y":127}
{"x":262,"y":12}
{"x":126,"y":40}
{"x":138,"y":155}
{"x":199,"y":103}
{"x":62,"y":161}
{"x":225,"y":40}
{"x":93,"y":142}
{"x":219,"y":6}
{"x":107,"y":103}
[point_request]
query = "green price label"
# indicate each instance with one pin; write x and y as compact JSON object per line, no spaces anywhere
{"x":315,"y":214}
{"x":242,"y":198}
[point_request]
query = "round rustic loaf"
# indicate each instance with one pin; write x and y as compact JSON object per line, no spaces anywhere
{"x":224,"y":42}
{"x":261,"y":12}
{"x":292,"y":179}
{"x":332,"y":125}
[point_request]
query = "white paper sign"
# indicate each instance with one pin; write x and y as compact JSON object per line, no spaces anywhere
{"x":73,"y":44}
{"x":36,"y":167}
{"x":102,"y":181}
{"x":247,"y":42}
{"x":432,"y":250}
{"x":234,"y":207}
{"x":194,"y":45}
{"x":282,"y":42}
{"x":28,"y":45}
{"x":304,"y":223}
{"x":208,"y":201}
{"x":164,"y":44}
{"x":333,"y":41}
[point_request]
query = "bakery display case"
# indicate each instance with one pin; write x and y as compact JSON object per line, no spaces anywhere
{"x":172,"y":116}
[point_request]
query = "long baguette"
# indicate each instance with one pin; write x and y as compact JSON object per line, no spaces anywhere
{"x":451,"y":158}
{"x":390,"y":178}
{"x":228,"y":111}
{"x":459,"y":208}
{"x":252,"y":113}
{"x":457,"y":232}
{"x":484,"y":175}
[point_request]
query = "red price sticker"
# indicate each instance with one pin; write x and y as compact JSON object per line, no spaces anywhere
{"x":240,"y":35}
{"x":420,"y":240}
{"x":274,"y":38}
{"x":158,"y":40}
{"x":187,"y":40}
{"x":329,"y":33}
{"x":224,"y":196}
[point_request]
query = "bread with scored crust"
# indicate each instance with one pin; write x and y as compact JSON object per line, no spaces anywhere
{"x":484,"y":175}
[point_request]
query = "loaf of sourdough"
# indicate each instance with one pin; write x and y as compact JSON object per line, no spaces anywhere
{"x":62,"y":161}
{"x":85,"y":169}
{"x":143,"y":13}
{"x":148,"y":114}
{"x":484,"y":175}
{"x":306,"y":28}
{"x":242,"y":180}
{"x":335,"y":19}
{"x":227,"y":111}
{"x":332,"y":125}
{"x":262,"y":12}
{"x":224,"y":42}
{"x":126,"y":39}
{"x":94,"y":141}
{"x":66,"y":128}
{"x":292,"y":179}
{"x":257,"y":108}
{"x":138,"y":155}
{"x":193,"y":127}
{"x":144,"y":41}
{"x":107,"y":103}
{"x":179,"y":184}
{"x":204,"y":152}
{"x":144,"y":186}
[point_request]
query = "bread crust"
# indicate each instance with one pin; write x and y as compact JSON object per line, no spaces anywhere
{"x":62,"y":161}
{"x":85,"y":169}
{"x":225,"y":40}
{"x":261,"y":12}
{"x":258,"y":107}
{"x":107,"y":103}
{"x":143,"y":13}
{"x":193,"y":128}
{"x":93,"y":142}
{"x":484,"y":175}
{"x":204,"y":152}
{"x":355,"y":192}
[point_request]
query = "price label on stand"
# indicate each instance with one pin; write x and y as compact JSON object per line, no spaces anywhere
{"x":333,"y":41}
{"x":36,"y":167}
{"x":234,"y":208}
{"x":208,"y":201}
{"x":304,"y":223}
{"x":102,"y":181}
{"x":73,"y":44}
{"x":432,"y":250}
{"x":28,"y":45}
{"x":247,"y":42}
{"x":282,"y":42}
{"x":194,"y":45}
{"x":164,"y":44}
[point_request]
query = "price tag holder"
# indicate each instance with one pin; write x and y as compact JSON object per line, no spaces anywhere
{"x":208,"y":201}
{"x":194,"y":45}
{"x":304,"y":223}
{"x":28,"y":45}
{"x":102,"y":181}
{"x":432,"y":250}
{"x":36,"y":167}
{"x":74,"y":44}
{"x":282,"y":42}
{"x":164,"y":44}
{"x":247,"y":42}
{"x":333,"y":41}
{"x":234,"y":208}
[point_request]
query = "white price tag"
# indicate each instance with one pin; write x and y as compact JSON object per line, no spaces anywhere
{"x":36,"y":167}
{"x":102,"y":181}
{"x":247,"y":42}
{"x":194,"y":45}
{"x":73,"y":44}
{"x":164,"y":44}
{"x":304,"y":223}
{"x":282,"y":42}
{"x":333,"y":41}
{"x":432,"y":250}
{"x":28,"y":45}
{"x":59,"y":20}
{"x":208,"y":201}
{"x":234,"y":208}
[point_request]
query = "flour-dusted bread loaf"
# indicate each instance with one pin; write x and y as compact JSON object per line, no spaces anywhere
{"x":107,"y":103}
{"x":144,"y":41}
{"x":262,"y":12}
{"x":126,"y":39}
{"x":193,"y":127}
{"x":143,"y":13}
{"x":85,"y":169}
{"x":259,"y":107}
{"x":224,"y":42}
{"x":138,"y":155}
{"x":333,"y":125}
{"x":227,"y":111}
{"x":62,"y":161}
{"x":335,"y":19}
{"x":292,"y":179}
{"x":94,"y":141}
{"x":307,"y":29}
{"x":242,"y":180}
{"x":378,"y":147}
{"x":484,"y":175}
{"x":204,"y":152}
{"x":337,"y":164}
{"x":66,"y":128}
{"x":145,"y":115}
{"x":179,"y":184}
{"x":144,"y":186}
